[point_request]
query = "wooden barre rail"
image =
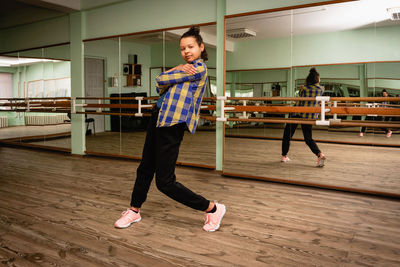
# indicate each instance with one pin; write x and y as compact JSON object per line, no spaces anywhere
{"x":270,"y":109}
{"x":312,"y":122}
{"x":339,"y":99}
{"x":73,"y":105}
{"x":333,"y":110}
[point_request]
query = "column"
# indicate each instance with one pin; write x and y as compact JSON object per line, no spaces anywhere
{"x":220,"y":129}
{"x":78,"y":141}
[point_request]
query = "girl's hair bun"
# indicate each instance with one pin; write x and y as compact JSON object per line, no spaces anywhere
{"x":313,"y":70}
{"x":195,"y":30}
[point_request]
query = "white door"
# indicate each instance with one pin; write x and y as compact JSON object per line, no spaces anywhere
{"x":94,"y":87}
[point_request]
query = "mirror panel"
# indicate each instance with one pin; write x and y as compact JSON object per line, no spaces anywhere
{"x":339,"y":52}
{"x":258,"y":66}
{"x":146,"y":55}
{"x":102,"y":79}
{"x":136,"y":54}
{"x":39,"y":73}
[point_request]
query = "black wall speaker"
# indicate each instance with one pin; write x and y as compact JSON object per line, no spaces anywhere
{"x":137,"y":70}
{"x":127,"y":69}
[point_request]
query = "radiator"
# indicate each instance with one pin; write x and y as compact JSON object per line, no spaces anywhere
{"x":3,"y":121}
{"x":45,"y":119}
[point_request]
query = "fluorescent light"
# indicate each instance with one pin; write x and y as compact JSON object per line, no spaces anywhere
{"x":15,"y":61}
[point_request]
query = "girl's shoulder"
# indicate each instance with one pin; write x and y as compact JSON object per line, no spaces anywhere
{"x":200,"y":66}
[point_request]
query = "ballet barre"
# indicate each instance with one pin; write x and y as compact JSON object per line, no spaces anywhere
{"x":332,"y":106}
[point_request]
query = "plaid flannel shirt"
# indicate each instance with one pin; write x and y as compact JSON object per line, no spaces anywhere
{"x":309,"y":91}
{"x":184,"y":93}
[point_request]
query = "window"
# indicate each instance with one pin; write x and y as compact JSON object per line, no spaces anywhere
{"x":5,"y":87}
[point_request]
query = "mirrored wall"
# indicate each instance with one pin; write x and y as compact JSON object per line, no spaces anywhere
{"x":126,"y":67}
{"x":35,"y":74}
{"x":271,"y":55}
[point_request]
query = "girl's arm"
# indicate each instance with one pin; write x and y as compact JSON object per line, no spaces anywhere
{"x":188,"y":68}
{"x":180,"y":74}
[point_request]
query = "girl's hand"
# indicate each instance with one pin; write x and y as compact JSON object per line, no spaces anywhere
{"x":188,"y":68}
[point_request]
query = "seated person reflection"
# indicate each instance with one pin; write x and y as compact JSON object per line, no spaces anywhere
{"x":311,"y":89}
{"x":387,"y":131}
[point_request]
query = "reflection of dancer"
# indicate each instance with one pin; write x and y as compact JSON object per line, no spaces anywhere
{"x":312,"y":89}
{"x":387,"y":131}
{"x":178,"y":109}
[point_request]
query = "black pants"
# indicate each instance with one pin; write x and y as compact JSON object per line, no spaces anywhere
{"x":288,"y":133}
{"x":160,"y":153}
{"x":375,"y":118}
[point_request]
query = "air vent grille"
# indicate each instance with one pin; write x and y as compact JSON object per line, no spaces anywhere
{"x":394,"y":13}
{"x":240,"y":33}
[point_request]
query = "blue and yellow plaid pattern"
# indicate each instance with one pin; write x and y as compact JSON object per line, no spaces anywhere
{"x":184,"y":93}
{"x":309,"y":91}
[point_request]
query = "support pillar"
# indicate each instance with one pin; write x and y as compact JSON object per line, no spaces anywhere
{"x":220,"y":126}
{"x":77,"y":25}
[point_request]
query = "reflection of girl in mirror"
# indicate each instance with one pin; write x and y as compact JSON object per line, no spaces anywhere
{"x":311,"y":89}
{"x":181,"y":91}
{"x":387,"y":131}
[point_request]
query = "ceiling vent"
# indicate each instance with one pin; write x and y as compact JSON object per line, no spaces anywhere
{"x":240,"y":33}
{"x":394,"y":13}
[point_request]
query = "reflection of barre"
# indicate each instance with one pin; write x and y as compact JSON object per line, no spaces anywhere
{"x":74,"y":105}
{"x":140,"y":106}
{"x":100,"y":102}
{"x":27,"y":104}
{"x":372,"y":105}
{"x":311,"y":122}
{"x":244,"y":116}
{"x":223,"y":108}
{"x":323,"y":100}
{"x":335,"y":119}
{"x":257,"y":104}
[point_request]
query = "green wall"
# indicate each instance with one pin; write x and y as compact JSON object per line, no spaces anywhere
{"x":327,"y":48}
{"x":129,"y":17}
{"x":47,"y":32}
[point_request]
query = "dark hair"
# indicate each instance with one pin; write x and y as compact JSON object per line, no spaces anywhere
{"x":384,"y":91}
{"x":312,"y":77}
{"x":195,"y":32}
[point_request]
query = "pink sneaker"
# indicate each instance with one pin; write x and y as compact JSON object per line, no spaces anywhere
{"x":321,"y":160}
{"x":212,"y":221}
{"x":285,"y":159}
{"x":389,"y":134}
{"x":361,"y":134}
{"x":128,"y":217}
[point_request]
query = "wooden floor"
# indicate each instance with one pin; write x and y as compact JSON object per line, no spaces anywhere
{"x":349,"y":166}
{"x":369,"y":168}
{"x":59,"y":210}
{"x":348,"y":135}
